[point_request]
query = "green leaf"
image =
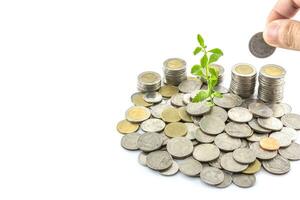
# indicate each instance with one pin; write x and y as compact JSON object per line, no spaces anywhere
{"x":213,"y":58}
{"x":202,"y":95}
{"x":216,"y":51}
{"x":213,"y":72}
{"x":200,"y":40}
{"x":204,"y":61}
{"x":217,"y":94}
{"x":195,"y":69}
{"x":197,"y":50}
{"x":210,"y":104}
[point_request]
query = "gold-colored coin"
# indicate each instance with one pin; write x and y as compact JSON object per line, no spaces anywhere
{"x":168,"y":90}
{"x":269,"y":143}
{"x":175,"y":129}
{"x":138,"y":100}
{"x":126,"y":127}
{"x":244,"y":69}
{"x":174,"y":63}
{"x":137,"y":114}
{"x":170,"y":114}
{"x":184,"y":115}
{"x":253,"y":167}
{"x":273,"y":70}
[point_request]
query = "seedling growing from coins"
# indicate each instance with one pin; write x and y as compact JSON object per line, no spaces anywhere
{"x":206,"y":71}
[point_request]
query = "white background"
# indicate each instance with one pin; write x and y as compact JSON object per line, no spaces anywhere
{"x":67,"y":70}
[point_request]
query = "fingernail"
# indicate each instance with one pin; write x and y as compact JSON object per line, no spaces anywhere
{"x":271,"y":32}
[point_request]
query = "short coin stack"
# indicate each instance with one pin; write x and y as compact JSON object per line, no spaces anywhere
{"x":271,"y":83}
{"x":149,"y":81}
{"x":243,"y":79}
{"x":174,"y":71}
{"x":224,"y":144}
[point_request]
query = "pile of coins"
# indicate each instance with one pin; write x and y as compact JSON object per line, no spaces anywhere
{"x":222,"y":144}
{"x":149,"y":81}
{"x":243,"y":80}
{"x":220,"y":70}
{"x":271,"y":83}
{"x":174,"y":71}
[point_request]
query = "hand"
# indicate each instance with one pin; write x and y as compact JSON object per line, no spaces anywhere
{"x":281,"y":31}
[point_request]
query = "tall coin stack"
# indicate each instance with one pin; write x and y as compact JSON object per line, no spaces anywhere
{"x":149,"y":81}
{"x":174,"y":71}
{"x":243,"y":79}
{"x":220,"y":69}
{"x":271,"y":83}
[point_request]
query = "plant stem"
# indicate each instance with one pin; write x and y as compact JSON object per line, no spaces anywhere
{"x":207,"y":78}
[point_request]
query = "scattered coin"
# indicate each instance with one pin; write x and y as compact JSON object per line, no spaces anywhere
{"x":187,"y":98}
{"x":212,"y":175}
{"x":248,"y":101}
{"x":287,"y":108}
{"x":243,"y":180}
{"x":212,"y":125}
{"x":278,"y":109}
{"x":153,"y":125}
{"x":228,"y":101}
{"x":260,"y":110}
{"x":158,"y":109}
{"x":277,"y":165}
{"x":219,"y":112}
{"x":191,"y":130}
{"x":256,"y":137}
{"x":138,"y":100}
{"x":227,"y":143}
{"x":188,"y":86}
{"x":269,"y":143}
{"x":257,"y":128}
{"x":259,"y":48}
{"x":239,"y":130}
{"x":190,"y":167}
{"x":177,"y":100}
{"x":227,"y":181}
{"x":184,"y":115}
{"x":206,"y":152}
{"x":126,"y":127}
{"x":152,"y":97}
{"x":137,"y":114}
{"x":129,"y":141}
{"x":229,"y":164}
{"x":253,"y":167}
{"x":270,"y":123}
{"x":142,"y":158}
{"x":203,"y":137}
{"x":170,"y":114}
{"x":217,"y":162}
{"x":159,"y":160}
{"x":291,"y":152}
{"x":175,"y":129}
{"x":197,"y":109}
{"x":261,"y":153}
{"x":170,"y":171}
{"x":168,"y":90}
{"x":180,"y":147}
{"x":283,"y":139}
{"x":240,"y":114}
{"x":244,"y":155}
{"x":292,"y":133}
{"x":291,"y":120}
{"x":149,"y":142}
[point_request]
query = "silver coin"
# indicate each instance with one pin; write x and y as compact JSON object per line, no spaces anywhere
{"x":277,"y":165}
{"x":291,"y":152}
{"x":260,"y":109}
{"x":227,"y":181}
{"x":152,"y":97}
{"x":278,"y":109}
{"x":217,"y":162}
{"x":221,"y":89}
{"x":188,"y":86}
{"x":240,"y":114}
{"x":244,"y":180}
{"x":245,"y":143}
{"x":212,"y":175}
{"x":228,"y":101}
{"x":206,"y":152}
{"x":180,"y":147}
{"x":159,"y":160}
{"x":270,"y":123}
{"x":129,"y":141}
{"x":292,"y":133}
{"x":177,"y":100}
{"x":229,"y":164}
{"x":256,"y":137}
{"x":153,"y":125}
{"x":291,"y":120}
{"x":187,"y":98}
{"x":227,"y":143}
{"x":259,"y":48}
{"x":142,"y":158}
{"x":164,"y":138}
{"x":190,"y":167}
{"x":212,"y":125}
{"x":239,"y":130}
{"x":197,"y":109}
{"x":248,"y":101}
{"x":283,"y":139}
{"x":149,"y":142}
{"x":191,"y":130}
{"x":287,"y":108}
{"x":203,"y":137}
{"x":158,"y":109}
{"x":261,"y":153}
{"x":257,"y":128}
{"x":170,"y":171}
{"x":217,"y":111}
{"x":244,"y":155}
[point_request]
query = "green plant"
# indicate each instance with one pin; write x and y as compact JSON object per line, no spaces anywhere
{"x":206,"y":71}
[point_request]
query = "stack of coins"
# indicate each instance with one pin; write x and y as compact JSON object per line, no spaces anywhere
{"x":243,"y":78}
{"x":220,"y":69}
{"x":149,"y":81}
{"x":271,"y":83}
{"x":174,"y":71}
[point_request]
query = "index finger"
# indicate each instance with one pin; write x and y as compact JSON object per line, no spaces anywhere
{"x":284,"y":9}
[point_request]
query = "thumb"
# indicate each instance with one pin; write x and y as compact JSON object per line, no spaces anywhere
{"x":283,"y":33}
